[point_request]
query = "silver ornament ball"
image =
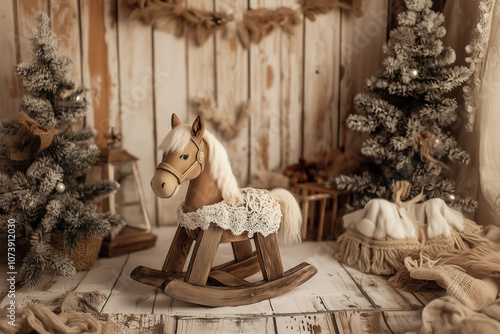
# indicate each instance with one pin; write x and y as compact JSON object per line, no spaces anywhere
{"x":78,"y":98}
{"x":60,"y":187}
{"x":413,"y":73}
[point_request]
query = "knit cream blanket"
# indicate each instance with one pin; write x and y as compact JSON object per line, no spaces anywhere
{"x":260,"y":213}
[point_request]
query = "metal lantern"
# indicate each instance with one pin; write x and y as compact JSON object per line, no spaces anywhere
{"x":116,"y":164}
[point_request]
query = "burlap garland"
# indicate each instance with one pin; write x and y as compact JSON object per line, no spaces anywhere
{"x":30,"y":139}
{"x":253,"y":26}
{"x":311,"y":8}
{"x":261,"y":22}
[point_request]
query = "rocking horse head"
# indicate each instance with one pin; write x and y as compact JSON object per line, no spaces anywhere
{"x":189,"y":151}
{"x":181,"y":160}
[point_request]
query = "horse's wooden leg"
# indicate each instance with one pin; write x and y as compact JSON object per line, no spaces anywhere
{"x":242,"y":250}
{"x":269,"y":256}
{"x":178,"y":252}
{"x":203,"y":255}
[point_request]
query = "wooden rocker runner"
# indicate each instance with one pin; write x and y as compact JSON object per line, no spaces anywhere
{"x":215,"y":211}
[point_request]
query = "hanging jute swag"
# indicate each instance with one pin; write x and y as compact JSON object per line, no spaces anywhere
{"x":252,"y":25}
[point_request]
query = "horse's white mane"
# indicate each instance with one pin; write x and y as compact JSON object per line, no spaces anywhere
{"x":177,"y":141}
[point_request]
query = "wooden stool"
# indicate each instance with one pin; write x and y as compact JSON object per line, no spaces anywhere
{"x":310,"y":193}
{"x":223,"y":285}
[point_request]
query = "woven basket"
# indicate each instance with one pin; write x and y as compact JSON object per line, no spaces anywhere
{"x":85,"y":253}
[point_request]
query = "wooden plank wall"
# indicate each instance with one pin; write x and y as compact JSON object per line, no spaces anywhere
{"x":302,"y":84}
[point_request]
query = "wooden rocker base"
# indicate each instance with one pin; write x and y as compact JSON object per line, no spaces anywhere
{"x":215,"y":296}
{"x":223,"y":285}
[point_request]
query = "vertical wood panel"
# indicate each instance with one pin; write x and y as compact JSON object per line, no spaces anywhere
{"x":9,"y":94}
{"x":265,"y":141}
{"x":136,"y":96}
{"x":100,"y":75}
{"x":292,"y":57}
{"x":321,"y":80}
{"x":232,"y":88}
{"x":170,"y":80}
{"x":66,"y":25}
{"x":361,"y":49}
{"x":201,"y":70}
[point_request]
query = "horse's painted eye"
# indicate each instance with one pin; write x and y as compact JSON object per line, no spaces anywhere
{"x":184,"y":156}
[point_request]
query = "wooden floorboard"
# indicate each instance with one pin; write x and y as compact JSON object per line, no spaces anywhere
{"x":330,"y":289}
{"x":348,"y":321}
{"x":144,"y":323}
{"x":378,"y":290}
{"x":49,"y":293}
{"x":103,"y":276}
{"x":140,"y":298}
{"x":357,"y":322}
{"x":225,"y":325}
{"x":338,"y":299}
{"x":312,"y":323}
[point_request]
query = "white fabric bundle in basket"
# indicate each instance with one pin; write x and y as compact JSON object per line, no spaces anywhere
{"x":379,"y":236}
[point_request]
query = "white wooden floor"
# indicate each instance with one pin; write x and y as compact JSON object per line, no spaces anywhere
{"x":338,"y":299}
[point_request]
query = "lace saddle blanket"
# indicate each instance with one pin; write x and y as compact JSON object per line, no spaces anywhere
{"x":260,"y":213}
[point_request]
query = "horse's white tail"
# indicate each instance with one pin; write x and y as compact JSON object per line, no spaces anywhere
{"x":291,"y":220}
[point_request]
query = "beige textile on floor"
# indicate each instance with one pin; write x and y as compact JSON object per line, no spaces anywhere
{"x":72,"y":320}
{"x":474,"y":293}
{"x":447,"y":316}
{"x":470,"y":275}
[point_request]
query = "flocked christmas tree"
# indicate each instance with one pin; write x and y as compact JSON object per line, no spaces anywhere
{"x":408,"y":114}
{"x":42,"y":193}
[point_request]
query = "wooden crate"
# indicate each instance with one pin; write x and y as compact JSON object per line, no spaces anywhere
{"x":314,"y":217}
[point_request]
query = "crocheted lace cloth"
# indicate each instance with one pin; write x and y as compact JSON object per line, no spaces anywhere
{"x":260,"y":213}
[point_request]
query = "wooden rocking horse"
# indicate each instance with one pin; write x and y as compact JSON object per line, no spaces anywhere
{"x":215,"y":211}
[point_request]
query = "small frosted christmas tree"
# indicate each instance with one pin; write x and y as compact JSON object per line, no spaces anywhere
{"x":408,"y":120}
{"x":42,"y":192}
